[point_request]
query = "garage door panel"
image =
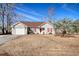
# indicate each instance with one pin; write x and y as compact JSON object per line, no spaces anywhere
{"x":20,"y":31}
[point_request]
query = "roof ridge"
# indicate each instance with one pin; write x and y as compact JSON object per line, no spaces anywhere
{"x":33,"y":24}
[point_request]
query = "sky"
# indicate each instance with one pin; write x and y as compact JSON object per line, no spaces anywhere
{"x":39,"y":12}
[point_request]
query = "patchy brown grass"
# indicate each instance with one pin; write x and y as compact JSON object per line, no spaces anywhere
{"x":41,"y":45}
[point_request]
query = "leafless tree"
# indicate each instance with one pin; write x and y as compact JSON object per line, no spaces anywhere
{"x":6,"y":13}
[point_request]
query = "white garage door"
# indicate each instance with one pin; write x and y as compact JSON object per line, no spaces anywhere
{"x":20,"y":31}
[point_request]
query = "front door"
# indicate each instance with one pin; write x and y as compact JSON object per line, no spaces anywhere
{"x":41,"y":30}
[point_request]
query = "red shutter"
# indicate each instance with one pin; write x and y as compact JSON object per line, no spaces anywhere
{"x":47,"y":29}
{"x":35,"y":29}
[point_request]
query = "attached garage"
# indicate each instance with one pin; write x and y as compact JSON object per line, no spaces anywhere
{"x":20,"y":30}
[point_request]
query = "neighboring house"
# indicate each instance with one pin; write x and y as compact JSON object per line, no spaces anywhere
{"x":22,"y":28}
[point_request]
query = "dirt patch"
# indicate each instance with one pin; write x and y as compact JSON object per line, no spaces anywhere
{"x":42,"y":45}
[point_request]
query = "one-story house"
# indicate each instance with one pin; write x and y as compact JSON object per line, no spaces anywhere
{"x":22,"y":28}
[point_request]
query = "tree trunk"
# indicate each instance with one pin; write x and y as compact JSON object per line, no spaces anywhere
{"x":3,"y":31}
{"x":7,"y":29}
{"x":63,"y":32}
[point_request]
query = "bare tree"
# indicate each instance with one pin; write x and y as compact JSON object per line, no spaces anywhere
{"x":9,"y":14}
{"x":6,"y":13}
{"x":50,"y":13}
{"x":2,"y":14}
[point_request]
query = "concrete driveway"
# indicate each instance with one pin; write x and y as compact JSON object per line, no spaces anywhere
{"x":5,"y":38}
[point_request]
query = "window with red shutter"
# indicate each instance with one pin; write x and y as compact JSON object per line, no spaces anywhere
{"x":51,"y":29}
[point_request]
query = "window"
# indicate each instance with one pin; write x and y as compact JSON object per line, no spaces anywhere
{"x":50,"y":29}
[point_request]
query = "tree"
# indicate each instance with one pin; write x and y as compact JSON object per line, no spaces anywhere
{"x":2,"y":14}
{"x":63,"y":26}
{"x":6,"y":13}
{"x":50,"y":14}
{"x":10,"y":14}
{"x":67,"y":26}
{"x":76,"y":26}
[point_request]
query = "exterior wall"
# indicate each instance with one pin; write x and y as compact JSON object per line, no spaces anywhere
{"x":46,"y":26}
{"x":38,"y":30}
{"x":21,"y":27}
{"x":13,"y":31}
